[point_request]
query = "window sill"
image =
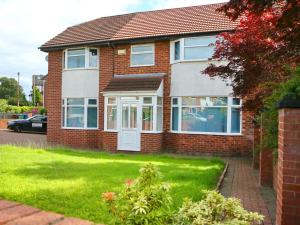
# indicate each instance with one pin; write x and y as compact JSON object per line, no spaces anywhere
{"x":78,"y":128}
{"x":207,"y":133}
{"x":111,"y":131}
{"x":194,"y":60}
{"x":132,"y":66}
{"x":151,"y":132}
{"x":92,"y":68}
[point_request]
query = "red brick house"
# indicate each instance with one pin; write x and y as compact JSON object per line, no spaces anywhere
{"x":134,"y":82}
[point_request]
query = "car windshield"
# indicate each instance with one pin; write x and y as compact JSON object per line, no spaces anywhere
{"x":35,"y":117}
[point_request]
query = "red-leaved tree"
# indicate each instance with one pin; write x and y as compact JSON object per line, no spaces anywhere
{"x":256,"y":54}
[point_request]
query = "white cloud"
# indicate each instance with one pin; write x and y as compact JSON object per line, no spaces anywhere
{"x":25,"y":25}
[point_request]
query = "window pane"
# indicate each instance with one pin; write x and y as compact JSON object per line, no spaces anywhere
{"x":112,"y":117}
{"x":177,"y":50}
{"x":133,"y":116}
{"x":204,"y":119}
{"x":216,"y":101}
{"x":147,"y":100}
{"x":235,"y":120}
{"x":111,"y":100}
{"x":73,"y":52}
{"x":92,"y":101}
{"x":236,"y":101}
{"x":159,"y":100}
{"x":159,"y":119}
{"x":142,"y":59}
{"x":75,"y":116}
{"x":76,"y":61}
{"x":142,"y":48}
{"x":200,"y":41}
{"x":63,"y":116}
{"x":93,"y":57}
{"x":75,"y":101}
{"x":92,"y":117}
{"x":175,"y":101}
{"x":125,"y":115}
{"x":191,"y":53}
{"x":147,"y":118}
{"x":194,"y":101}
{"x":175,"y":118}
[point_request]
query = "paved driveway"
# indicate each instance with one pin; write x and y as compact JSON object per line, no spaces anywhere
{"x":9,"y":137}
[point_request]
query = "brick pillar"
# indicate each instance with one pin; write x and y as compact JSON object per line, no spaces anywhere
{"x":288,"y":184}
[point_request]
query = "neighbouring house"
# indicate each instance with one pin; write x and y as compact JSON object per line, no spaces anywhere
{"x":134,"y":82}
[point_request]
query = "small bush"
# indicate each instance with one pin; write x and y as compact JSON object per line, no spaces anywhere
{"x":143,"y":201}
{"x":147,"y":201}
{"x":214,"y":209}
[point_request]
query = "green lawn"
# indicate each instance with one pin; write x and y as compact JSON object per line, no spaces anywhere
{"x":71,"y":182}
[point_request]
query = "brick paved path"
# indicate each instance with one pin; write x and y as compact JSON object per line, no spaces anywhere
{"x":241,"y":182}
{"x":12,"y":213}
{"x":27,"y":139}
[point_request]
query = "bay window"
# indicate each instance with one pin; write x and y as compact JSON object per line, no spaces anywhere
{"x":80,"y":58}
{"x":80,"y":113}
{"x":193,"y":48}
{"x":142,"y":55}
{"x":206,"y":115}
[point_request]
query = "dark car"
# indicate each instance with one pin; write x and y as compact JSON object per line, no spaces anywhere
{"x":36,"y":123}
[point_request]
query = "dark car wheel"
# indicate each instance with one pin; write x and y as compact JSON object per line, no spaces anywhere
{"x":18,"y":129}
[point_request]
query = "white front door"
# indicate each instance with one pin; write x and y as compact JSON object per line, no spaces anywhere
{"x":129,"y":137}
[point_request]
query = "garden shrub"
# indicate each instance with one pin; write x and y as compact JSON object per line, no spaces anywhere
{"x":143,"y":201}
{"x":147,"y":200}
{"x":214,"y":209}
{"x":288,"y":89}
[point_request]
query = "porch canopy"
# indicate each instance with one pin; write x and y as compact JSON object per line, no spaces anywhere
{"x":135,"y":83}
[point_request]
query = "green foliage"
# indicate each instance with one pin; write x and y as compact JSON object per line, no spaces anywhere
{"x":214,"y":209}
{"x":147,"y":201}
{"x":6,"y":108}
{"x":42,"y":111}
{"x":290,"y":89}
{"x":143,"y":201}
{"x":69,"y":181}
{"x":9,"y":91}
{"x":37,"y":98}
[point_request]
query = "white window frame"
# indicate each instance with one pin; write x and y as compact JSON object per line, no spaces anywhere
{"x":141,"y":104}
{"x":87,"y":58}
{"x":152,"y":45}
{"x":229,"y":107}
{"x":106,"y":104}
{"x":85,"y":112}
{"x":182,"y":47}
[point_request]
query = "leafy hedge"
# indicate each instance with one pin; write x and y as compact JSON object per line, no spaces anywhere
{"x":289,"y":89}
{"x":6,"y":108}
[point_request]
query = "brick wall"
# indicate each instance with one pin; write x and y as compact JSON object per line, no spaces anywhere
{"x":213,"y":144}
{"x":266,"y":167}
{"x":53,"y":93}
{"x":288,"y":183}
{"x":112,"y":63}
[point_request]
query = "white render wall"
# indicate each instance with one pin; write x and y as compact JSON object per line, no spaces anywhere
{"x":80,"y":83}
{"x":187,"y":79}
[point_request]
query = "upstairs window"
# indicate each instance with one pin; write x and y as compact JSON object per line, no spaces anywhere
{"x":81,"y":58}
{"x":142,"y":55}
{"x":193,"y":49}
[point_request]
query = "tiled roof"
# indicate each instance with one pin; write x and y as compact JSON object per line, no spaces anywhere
{"x":168,"y":22}
{"x":133,"y":84}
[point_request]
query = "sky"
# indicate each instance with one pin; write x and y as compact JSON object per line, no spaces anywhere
{"x":27,"y":24}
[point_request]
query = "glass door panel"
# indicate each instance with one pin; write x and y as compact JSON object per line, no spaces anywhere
{"x":125,"y":116}
{"x":133,"y":116}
